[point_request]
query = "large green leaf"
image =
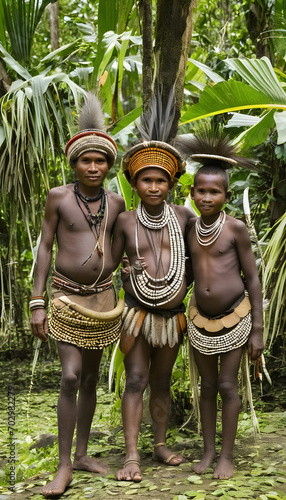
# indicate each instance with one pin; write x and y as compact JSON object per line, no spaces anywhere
{"x":215,"y":77}
{"x":125,"y":121}
{"x":112,"y":17}
{"x":63,"y":51}
{"x":257,"y":133}
{"x":280,"y":120}
{"x":35,"y":119}
{"x":259,"y":74}
{"x":127,"y":192}
{"x":242,"y":120}
{"x":275,"y":279}
{"x":262,"y":91}
{"x":13,"y":64}
{"x":229,"y":96}
{"x":2,"y":26}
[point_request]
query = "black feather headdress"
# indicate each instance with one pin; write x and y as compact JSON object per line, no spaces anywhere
{"x":155,"y":149}
{"x":210,"y":146}
{"x":156,"y":123}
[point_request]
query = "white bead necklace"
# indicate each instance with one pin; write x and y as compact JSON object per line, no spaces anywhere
{"x":208,"y":234}
{"x":154,"y":292}
{"x":152,"y":221}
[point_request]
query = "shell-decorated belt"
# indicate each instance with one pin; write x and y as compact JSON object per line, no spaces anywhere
{"x":217,"y":324}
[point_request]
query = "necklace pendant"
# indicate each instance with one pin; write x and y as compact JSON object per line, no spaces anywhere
{"x":99,"y":249}
{"x":137,"y":266}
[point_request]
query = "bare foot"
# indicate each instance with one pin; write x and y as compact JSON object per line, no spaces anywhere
{"x":162,"y":454}
{"x":60,"y":483}
{"x":89,"y":464}
{"x":204,"y":463}
{"x":224,"y":468}
{"x":130,"y":471}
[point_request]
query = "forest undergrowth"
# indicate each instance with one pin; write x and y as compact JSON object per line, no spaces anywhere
{"x":30,"y":422}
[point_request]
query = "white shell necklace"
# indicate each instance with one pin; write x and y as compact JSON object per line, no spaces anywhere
{"x":154,"y":292}
{"x":208,"y":234}
{"x":153,"y":221}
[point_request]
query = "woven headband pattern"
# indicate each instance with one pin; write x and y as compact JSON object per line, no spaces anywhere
{"x":91,"y":140}
{"x":157,"y":154}
{"x":154,"y":157}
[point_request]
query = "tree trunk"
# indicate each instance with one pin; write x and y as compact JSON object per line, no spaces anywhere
{"x":147,"y":38}
{"x":54,"y":24}
{"x":257,"y":21}
{"x":4,"y":80}
{"x":173,"y":35}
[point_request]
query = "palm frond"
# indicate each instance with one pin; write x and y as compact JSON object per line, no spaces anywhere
{"x":21,"y":18}
{"x":275,"y":279}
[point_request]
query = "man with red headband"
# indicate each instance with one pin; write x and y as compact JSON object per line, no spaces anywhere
{"x":85,"y":314}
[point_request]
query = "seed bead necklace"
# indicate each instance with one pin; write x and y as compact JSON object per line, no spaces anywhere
{"x":94,"y":220}
{"x":208,"y":234}
{"x":154,"y":292}
{"x":152,"y":221}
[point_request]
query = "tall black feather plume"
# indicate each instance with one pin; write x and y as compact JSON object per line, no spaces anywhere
{"x":91,"y":115}
{"x":211,"y":140}
{"x":156,"y":122}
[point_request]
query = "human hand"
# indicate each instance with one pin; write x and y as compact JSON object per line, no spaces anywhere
{"x":125,"y":270}
{"x":255,"y":345}
{"x":39,"y":324}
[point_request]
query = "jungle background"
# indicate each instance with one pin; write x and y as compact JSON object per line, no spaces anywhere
{"x":226,"y":63}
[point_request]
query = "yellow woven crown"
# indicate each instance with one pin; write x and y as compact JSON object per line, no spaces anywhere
{"x":153,"y":154}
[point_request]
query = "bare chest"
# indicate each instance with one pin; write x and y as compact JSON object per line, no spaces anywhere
{"x":75,"y":218}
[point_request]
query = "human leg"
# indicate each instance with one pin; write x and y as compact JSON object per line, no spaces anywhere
{"x":208,"y":370}
{"x":162,"y":362}
{"x":228,"y":388}
{"x":70,"y":357}
{"x":137,"y":374}
{"x":86,"y":404}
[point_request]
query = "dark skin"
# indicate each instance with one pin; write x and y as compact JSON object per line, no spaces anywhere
{"x":146,"y":364}
{"x":218,"y":284}
{"x":64,"y":219}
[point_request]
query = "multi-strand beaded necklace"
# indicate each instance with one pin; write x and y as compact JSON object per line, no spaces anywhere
{"x":154,"y":292}
{"x":94,"y":220}
{"x":208,"y":234}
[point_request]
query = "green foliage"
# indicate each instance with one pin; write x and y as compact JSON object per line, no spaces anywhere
{"x":275,"y":279}
{"x":21,"y":19}
{"x":262,"y":90}
{"x":101,"y":47}
{"x":220,"y":30}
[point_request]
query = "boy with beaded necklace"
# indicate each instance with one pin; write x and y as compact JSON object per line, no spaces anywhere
{"x":84,"y":314}
{"x":223,"y":316}
{"x":155,"y":286}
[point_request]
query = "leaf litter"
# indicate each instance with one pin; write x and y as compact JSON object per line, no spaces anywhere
{"x":260,"y":466}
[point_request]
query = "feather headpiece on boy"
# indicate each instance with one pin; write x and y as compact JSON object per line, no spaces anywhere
{"x":211,"y":147}
{"x":91,"y":135}
{"x":155,"y":149}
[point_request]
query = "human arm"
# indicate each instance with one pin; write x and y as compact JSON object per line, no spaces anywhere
{"x":249,"y":269}
{"x":118,"y":241}
{"x":39,"y":318}
{"x":190,"y":233}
